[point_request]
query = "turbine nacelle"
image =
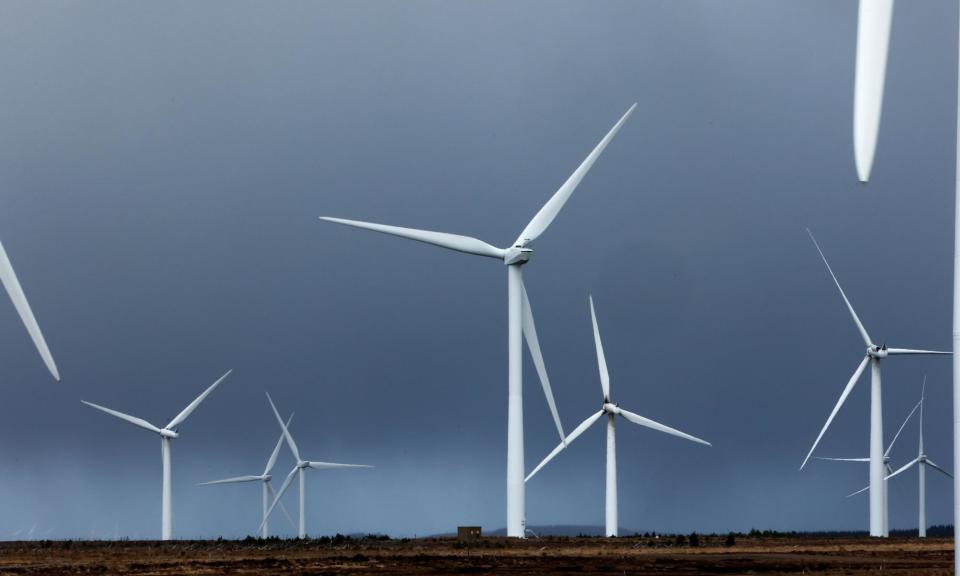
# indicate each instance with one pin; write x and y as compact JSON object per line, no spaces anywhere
{"x":877,"y":352}
{"x":516,"y":255}
{"x":166,"y":433}
{"x":303,"y":464}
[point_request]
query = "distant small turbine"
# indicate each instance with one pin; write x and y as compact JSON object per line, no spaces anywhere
{"x":9,"y":280}
{"x":264,"y":479}
{"x":874,"y":354}
{"x":166,"y":433}
{"x":612,"y":411}
{"x":886,"y":466}
{"x":921,"y":461}
{"x":298,"y":469}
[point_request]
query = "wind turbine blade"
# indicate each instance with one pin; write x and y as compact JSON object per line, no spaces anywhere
{"x":235,"y":480}
{"x":442,"y":239}
{"x":853,"y":313}
{"x":909,"y":351}
{"x":193,"y":405}
{"x":544,"y":462}
{"x":545,"y":216}
{"x":573,"y":436}
{"x":860,"y":491}
{"x":601,"y":359}
{"x":931,"y":463}
{"x":131,"y":419}
{"x":638,"y":419}
{"x":282,"y":507}
{"x":533,"y":344}
{"x":286,"y":433}
{"x":583,"y":427}
{"x":335,"y":466}
{"x":9,"y":280}
{"x":901,"y":469}
{"x":276,"y":450}
{"x":843,"y":398}
{"x":842,"y":459}
{"x":873,"y":41}
{"x":276,"y":499}
{"x":897,"y":435}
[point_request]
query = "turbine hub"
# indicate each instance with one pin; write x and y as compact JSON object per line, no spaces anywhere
{"x":609,"y":408}
{"x":516,"y":255}
{"x":169,"y":433}
{"x":303,"y":464}
{"x":266,"y":477}
{"x":877,"y":352}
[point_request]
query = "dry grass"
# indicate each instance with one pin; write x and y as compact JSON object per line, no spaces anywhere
{"x":645,"y":556}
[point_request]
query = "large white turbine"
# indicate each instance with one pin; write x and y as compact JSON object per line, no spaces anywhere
{"x":921,"y":461}
{"x":298,"y":469}
{"x":167,"y":433}
{"x":886,"y":466}
{"x":266,"y":488}
{"x":612,"y":411}
{"x":9,"y":280}
{"x":874,"y":354}
{"x":519,"y":316}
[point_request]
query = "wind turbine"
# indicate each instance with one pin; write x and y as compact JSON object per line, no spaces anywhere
{"x":886,"y":466}
{"x":873,"y":41}
{"x":874,"y":354}
{"x":611,"y":410}
{"x":167,"y":433}
{"x":9,"y":280}
{"x":519,"y":316}
{"x":264,"y":479}
{"x":921,"y":461}
{"x":298,"y":469}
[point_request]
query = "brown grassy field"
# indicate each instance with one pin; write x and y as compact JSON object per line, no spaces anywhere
{"x":645,"y":556}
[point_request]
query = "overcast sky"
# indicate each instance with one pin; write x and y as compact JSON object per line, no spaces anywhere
{"x":163,"y":165}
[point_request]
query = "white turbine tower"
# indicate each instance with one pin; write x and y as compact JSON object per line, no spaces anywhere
{"x":874,"y":354}
{"x":886,"y":466}
{"x":266,"y":489}
{"x":298,"y":469}
{"x":167,"y":433}
{"x":9,"y":280}
{"x":519,"y":316}
{"x":921,"y":461}
{"x":612,"y":411}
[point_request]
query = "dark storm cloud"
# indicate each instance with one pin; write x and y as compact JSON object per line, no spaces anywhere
{"x":163,"y":167}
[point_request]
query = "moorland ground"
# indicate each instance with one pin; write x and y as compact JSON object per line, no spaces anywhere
{"x":549,"y":555}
